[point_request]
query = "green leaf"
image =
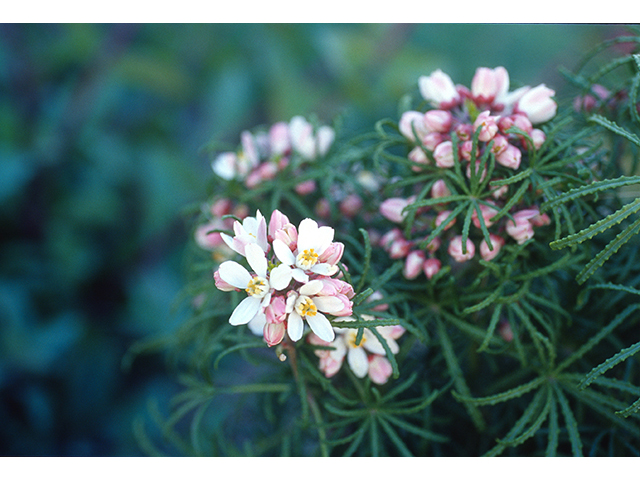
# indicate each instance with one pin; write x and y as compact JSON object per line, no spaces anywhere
{"x":598,"y":227}
{"x":501,"y":397}
{"x":612,"y":247}
{"x":619,"y":357}
{"x":570,"y":422}
{"x":592,"y":188}
{"x":608,"y":124}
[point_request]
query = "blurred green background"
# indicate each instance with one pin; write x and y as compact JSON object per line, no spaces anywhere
{"x":101,"y":130}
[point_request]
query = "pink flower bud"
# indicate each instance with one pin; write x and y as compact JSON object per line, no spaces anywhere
{"x":500,"y":144}
{"x":455,"y":249}
{"x":499,"y":192}
{"x":464,"y":131}
{"x":377,"y":295}
{"x":330,"y":365}
{"x":253,"y":179}
{"x":417,"y":155}
{"x":221,"y":284}
{"x":277,"y":221}
{"x":206,"y":238}
{"x":332,"y":254}
{"x":391,"y":236}
{"x":399,"y":248}
{"x":488,"y":85}
{"x":466,"y":149}
{"x":538,"y":138}
{"x":413,"y":264}
{"x":335,"y":286}
{"x":439,"y":189}
{"x":221,"y":207}
{"x":392,"y":209}
{"x":432,"y":140}
{"x":510,"y":157}
{"x":276,"y":311}
{"x":288,"y":235}
{"x":431,"y":266}
{"x":274,"y":333}
{"x":306,"y":187}
{"x":540,"y":220}
{"x":433,"y":245}
{"x":520,"y":228}
{"x":379,"y":369}
{"x":487,"y":214}
{"x":522,"y":122}
{"x":487,"y":124}
{"x":279,"y":139}
{"x":347,"y":304}
{"x":438,"y":88}
{"x":443,"y":155}
{"x":438,"y":120}
{"x":496,"y":242}
{"x":505,"y":331}
{"x":442,"y":216}
{"x":537,"y":104}
{"x":412,"y":121}
{"x":351,"y":205}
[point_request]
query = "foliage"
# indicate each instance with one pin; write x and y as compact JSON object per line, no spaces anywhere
{"x":528,"y":350}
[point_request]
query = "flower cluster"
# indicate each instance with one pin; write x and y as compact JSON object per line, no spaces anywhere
{"x":464,"y":128}
{"x":292,"y":278}
{"x":368,"y":357}
{"x":263,"y":154}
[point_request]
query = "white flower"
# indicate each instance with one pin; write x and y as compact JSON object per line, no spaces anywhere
{"x":357,"y":356}
{"x":257,"y":287}
{"x":229,"y":165}
{"x":251,"y":230}
{"x":312,"y":243}
{"x":307,"y":305}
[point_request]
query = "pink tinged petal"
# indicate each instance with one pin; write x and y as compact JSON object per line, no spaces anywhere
{"x":280,"y":277}
{"x":295,"y":326}
{"x":328,"y":304}
{"x":311,"y":288}
{"x":277,"y":221}
{"x":443,"y":155}
{"x":284,"y":254}
{"x":256,"y":258}
{"x":372,"y":344}
{"x":537,"y":104}
{"x":321,"y":326}
{"x":380,"y":369}
{"x":357,"y":360}
{"x":245,"y":311}
{"x":234,"y":274}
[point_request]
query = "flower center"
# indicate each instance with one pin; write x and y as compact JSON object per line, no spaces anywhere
{"x":351,"y":339}
{"x":306,"y":307}
{"x":257,"y":287}
{"x":307,"y":259}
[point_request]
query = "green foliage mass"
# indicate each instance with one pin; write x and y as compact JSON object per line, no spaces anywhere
{"x":564,"y":381}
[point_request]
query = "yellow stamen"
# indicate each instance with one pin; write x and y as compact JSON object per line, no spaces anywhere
{"x":351,"y":340}
{"x":306,"y":307}
{"x":307,"y":259}
{"x":257,"y":287}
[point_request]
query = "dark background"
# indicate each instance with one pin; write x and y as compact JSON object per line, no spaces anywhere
{"x":101,"y":131}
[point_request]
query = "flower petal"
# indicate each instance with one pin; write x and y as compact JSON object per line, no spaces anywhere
{"x":283,"y":253}
{"x":256,"y":258}
{"x":311,"y":288}
{"x":280,"y":277}
{"x":328,"y":304}
{"x":372,"y":344}
{"x":324,"y":269}
{"x":321,"y":326}
{"x":307,"y":233}
{"x":234,"y":274}
{"x":257,"y":323}
{"x":299,"y":275}
{"x":245,"y":311}
{"x":295,"y":326}
{"x":357,"y":360}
